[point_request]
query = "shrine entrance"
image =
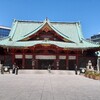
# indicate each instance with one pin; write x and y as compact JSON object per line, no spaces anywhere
{"x":44,"y":61}
{"x":62,"y":64}
{"x":71,"y":64}
{"x":43,"y":64}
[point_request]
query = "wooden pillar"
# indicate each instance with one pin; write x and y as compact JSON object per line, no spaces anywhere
{"x":77,"y":57}
{"x":13,"y":56}
{"x":33,"y":61}
{"x":57,"y":62}
{"x":67,"y":59}
{"x":4,"y":56}
{"x":57,"y":59}
{"x":23,"y":60}
{"x":36,"y":64}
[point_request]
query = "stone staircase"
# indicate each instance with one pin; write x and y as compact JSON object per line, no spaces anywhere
{"x":61,"y":72}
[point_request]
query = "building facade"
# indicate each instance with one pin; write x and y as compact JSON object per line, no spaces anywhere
{"x":36,"y":45}
{"x":4,"y":31}
{"x":96,"y":38}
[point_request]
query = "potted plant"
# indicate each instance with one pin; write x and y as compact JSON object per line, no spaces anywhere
{"x":97,"y":76}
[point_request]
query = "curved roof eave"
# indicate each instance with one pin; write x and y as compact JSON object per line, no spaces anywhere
{"x":57,"y":31}
{"x":32,"y":32}
{"x":46,"y":21}
{"x":59,"y":44}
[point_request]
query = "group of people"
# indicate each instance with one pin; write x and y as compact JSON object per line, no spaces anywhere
{"x":14,"y":69}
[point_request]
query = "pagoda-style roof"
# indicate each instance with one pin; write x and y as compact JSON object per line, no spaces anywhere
{"x":22,"y":30}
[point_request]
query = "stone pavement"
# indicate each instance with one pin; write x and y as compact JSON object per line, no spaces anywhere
{"x":48,"y":87}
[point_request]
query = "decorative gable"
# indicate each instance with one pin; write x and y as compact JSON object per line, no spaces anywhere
{"x":46,"y":28}
{"x":46,"y":33}
{"x":61,"y":34}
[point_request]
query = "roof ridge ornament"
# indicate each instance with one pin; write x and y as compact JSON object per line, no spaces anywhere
{"x":47,"y":20}
{"x":10,"y":39}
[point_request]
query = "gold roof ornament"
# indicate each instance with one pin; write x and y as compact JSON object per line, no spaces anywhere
{"x":45,"y":45}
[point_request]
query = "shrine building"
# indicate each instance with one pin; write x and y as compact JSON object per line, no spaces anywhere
{"x":36,"y":45}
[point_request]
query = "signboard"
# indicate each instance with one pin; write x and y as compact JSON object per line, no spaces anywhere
{"x":18,"y":56}
{"x":72,"y":57}
{"x":45,"y":57}
{"x":62,"y":57}
{"x":28,"y":56}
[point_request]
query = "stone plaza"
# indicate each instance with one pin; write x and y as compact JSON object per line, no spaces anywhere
{"x":48,"y":86}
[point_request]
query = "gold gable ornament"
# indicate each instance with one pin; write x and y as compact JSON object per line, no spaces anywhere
{"x":46,"y":29}
{"x":45,"y":45}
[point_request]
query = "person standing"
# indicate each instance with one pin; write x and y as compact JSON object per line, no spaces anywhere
{"x":76,"y":69}
{"x":16,"y":70}
{"x":1,"y":68}
{"x":49,"y":68}
{"x":13,"y":68}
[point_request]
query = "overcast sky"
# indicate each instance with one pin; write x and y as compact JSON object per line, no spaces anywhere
{"x":87,"y":12}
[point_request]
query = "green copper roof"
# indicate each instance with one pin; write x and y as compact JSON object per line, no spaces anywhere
{"x":23,"y":29}
{"x":83,"y":45}
{"x":70,"y":31}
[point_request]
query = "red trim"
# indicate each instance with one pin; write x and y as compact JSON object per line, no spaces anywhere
{"x":39,"y":47}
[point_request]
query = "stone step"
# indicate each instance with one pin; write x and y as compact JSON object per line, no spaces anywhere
{"x":66,"y":72}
